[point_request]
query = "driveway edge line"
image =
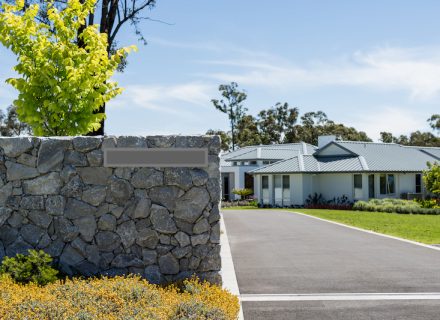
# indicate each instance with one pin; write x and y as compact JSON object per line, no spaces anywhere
{"x":341,"y":297}
{"x":229,"y":278}
{"x":370,"y":232}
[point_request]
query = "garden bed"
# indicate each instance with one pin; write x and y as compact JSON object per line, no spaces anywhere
{"x":115,"y":298}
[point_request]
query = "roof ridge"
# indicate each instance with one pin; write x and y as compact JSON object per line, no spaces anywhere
{"x":301,"y":162}
{"x":369,"y":142}
{"x":272,"y":164}
{"x":363,"y":162}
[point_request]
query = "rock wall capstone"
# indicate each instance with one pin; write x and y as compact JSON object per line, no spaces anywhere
{"x":161,"y":223}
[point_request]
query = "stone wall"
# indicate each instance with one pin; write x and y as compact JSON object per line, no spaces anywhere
{"x":162,"y":223}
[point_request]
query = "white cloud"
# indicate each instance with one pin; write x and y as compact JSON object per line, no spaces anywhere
{"x":392,"y":119}
{"x":166,"y":99}
{"x":416,"y":70}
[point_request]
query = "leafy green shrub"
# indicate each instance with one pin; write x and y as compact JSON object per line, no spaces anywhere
{"x":429,"y":203}
{"x":243,"y":193}
{"x":34,"y":267}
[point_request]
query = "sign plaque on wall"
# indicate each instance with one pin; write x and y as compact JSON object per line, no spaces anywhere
{"x":156,"y":157}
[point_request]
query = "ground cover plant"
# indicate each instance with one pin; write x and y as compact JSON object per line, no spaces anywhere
{"x":421,"y":228}
{"x":396,"y":206}
{"x":115,"y":298}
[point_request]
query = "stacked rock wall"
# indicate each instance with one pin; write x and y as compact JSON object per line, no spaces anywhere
{"x":162,"y":223}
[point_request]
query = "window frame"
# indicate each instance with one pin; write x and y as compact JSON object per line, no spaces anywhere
{"x":419,"y":183}
{"x":390,"y":180}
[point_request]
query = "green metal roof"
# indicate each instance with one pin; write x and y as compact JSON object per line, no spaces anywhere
{"x":267,"y":152}
{"x":359,"y":157}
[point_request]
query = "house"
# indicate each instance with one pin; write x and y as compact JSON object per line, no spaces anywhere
{"x":235,"y":165}
{"x":357,"y":170}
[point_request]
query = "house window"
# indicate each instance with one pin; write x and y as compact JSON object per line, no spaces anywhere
{"x":387,"y":184}
{"x":253,"y":163}
{"x":286,"y":190}
{"x":265,"y":182}
{"x":235,"y":163}
{"x":265,"y":189}
{"x":358,"y":181}
{"x":358,"y":186}
{"x":418,"y":183}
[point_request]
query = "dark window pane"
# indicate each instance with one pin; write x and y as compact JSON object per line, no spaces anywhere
{"x":418,"y":183}
{"x":286,"y":182}
{"x":391,"y":187}
{"x":265,"y":182}
{"x":383,"y":184}
{"x":358,"y":181}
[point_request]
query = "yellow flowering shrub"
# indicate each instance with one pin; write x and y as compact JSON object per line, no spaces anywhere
{"x":115,"y":298}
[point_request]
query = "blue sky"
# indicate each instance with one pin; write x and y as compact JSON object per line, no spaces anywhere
{"x":374,"y":65}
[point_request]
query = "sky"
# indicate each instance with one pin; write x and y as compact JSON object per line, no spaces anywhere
{"x":374,"y":65}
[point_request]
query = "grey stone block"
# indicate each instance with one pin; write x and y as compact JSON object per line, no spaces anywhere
{"x":180,"y":177}
{"x":168,"y":264}
{"x":190,"y":206}
{"x":40,"y":218}
{"x":147,"y":238}
{"x":75,"y":158}
{"x":85,"y":144}
{"x":13,"y":147}
{"x":16,"y":171}
{"x":76,"y":209}
{"x":95,"y":158}
{"x":119,"y":191}
{"x":161,"y":220}
{"x":146,"y":178}
{"x":31,"y":234}
{"x":183,"y":239}
{"x":55,"y":205}
{"x":128,"y":233}
{"x":94,"y":195}
{"x":44,"y":185}
{"x":149,"y":257}
{"x":165,"y":196}
{"x":127,"y":260}
{"x":95,"y":175}
{"x":27,"y":160}
{"x":199,"y":239}
{"x":107,"y":241}
{"x":5,"y":213}
{"x":86,"y":226}
{"x":201,"y":226}
{"x":107,"y":222}
{"x":51,"y":154}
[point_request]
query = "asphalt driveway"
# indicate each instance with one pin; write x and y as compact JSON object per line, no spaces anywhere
{"x":280,"y":252}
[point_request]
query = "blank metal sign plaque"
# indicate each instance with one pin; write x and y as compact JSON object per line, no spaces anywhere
{"x":156,"y":157}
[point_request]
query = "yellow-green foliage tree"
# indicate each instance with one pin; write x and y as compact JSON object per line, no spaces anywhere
{"x":431,"y":178}
{"x":61,"y":83}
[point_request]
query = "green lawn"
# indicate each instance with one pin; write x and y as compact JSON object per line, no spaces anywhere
{"x":421,"y":228}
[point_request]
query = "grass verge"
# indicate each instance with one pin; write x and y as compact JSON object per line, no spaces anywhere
{"x":421,"y":228}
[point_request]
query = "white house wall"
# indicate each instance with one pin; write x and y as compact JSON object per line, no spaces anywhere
{"x":238,"y":177}
{"x":407,"y":183}
{"x":334,"y":185}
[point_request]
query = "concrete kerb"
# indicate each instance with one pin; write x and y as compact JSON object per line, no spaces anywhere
{"x":228,"y":271}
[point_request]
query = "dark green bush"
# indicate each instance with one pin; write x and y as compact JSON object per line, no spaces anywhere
{"x":34,"y":267}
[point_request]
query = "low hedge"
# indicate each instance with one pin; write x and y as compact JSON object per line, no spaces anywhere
{"x":394,"y":206}
{"x":115,"y":298}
